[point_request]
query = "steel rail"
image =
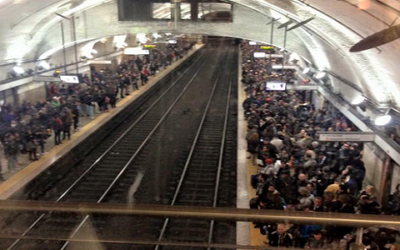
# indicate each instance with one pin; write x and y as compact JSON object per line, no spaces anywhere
{"x":221,"y":158}
{"x":137,"y":152}
{"x":111,"y":147}
{"x":204,"y":213}
{"x":148,"y":243}
{"x":189,"y":158}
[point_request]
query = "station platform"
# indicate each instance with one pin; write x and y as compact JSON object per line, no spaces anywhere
{"x":246,"y":233}
{"x":28,"y":170}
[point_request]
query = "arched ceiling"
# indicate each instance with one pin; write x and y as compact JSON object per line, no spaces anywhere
{"x":25,"y":29}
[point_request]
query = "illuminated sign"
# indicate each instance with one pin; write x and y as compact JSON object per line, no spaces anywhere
{"x":99,"y":62}
{"x":346,"y":136}
{"x":280,"y":86}
{"x":150,"y":46}
{"x":267,"y":47}
{"x":70,"y":79}
{"x":259,"y":54}
{"x":135,"y":51}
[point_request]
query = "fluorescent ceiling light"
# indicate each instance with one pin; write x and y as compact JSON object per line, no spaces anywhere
{"x":18,"y":70}
{"x":320,"y":75}
{"x":156,"y":35}
{"x":44,"y":65}
{"x":383,"y":120}
{"x":358,"y":100}
{"x":306,"y":71}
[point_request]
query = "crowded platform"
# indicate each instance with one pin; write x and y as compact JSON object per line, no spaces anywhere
{"x":26,"y":129}
{"x":296,"y":172}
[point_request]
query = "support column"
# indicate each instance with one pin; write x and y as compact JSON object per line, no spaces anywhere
{"x":194,"y":11}
{"x":358,"y":245}
{"x":385,"y":183}
{"x":15,"y":96}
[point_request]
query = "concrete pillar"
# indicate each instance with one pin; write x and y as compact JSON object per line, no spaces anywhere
{"x":194,"y":10}
{"x":15,"y":96}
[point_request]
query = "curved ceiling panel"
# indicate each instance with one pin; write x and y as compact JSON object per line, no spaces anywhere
{"x":339,"y":24}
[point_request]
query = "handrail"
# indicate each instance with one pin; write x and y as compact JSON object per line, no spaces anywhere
{"x":204,"y":213}
{"x":148,"y":243}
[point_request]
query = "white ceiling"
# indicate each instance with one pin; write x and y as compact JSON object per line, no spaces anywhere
{"x":24,"y":25}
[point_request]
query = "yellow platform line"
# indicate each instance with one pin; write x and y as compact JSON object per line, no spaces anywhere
{"x":245,"y":190}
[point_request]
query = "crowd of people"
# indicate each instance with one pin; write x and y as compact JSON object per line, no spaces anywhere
{"x":296,"y":172}
{"x":24,"y":129}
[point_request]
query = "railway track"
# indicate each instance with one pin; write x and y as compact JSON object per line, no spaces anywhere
{"x":200,"y":180}
{"x":118,"y":171}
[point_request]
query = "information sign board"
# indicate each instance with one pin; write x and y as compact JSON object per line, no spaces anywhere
{"x":37,"y":78}
{"x":259,"y":54}
{"x":136,"y":51}
{"x":99,"y":62}
{"x":70,"y":79}
{"x":346,"y":136}
{"x":276,"y":86}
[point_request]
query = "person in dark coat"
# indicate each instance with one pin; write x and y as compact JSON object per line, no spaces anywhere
{"x":76,"y":114}
{"x":57,"y":128}
{"x":66,"y":119}
{"x":317,"y":206}
{"x":317,"y":241}
{"x":368,"y":206}
{"x":11,"y":150}
{"x":280,"y":238}
{"x":31,"y":145}
{"x":346,"y":206}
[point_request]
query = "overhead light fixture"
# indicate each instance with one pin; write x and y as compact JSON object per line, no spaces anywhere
{"x":383,"y":120}
{"x":320,"y":75}
{"x":141,"y":37}
{"x":306,"y":71}
{"x":45,"y":65}
{"x":18,"y":70}
{"x":156,"y":35}
{"x":358,"y":100}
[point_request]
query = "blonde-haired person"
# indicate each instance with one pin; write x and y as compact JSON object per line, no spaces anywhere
{"x":370,"y":190}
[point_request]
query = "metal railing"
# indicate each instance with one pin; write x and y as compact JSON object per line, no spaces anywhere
{"x":198,"y":213}
{"x":205,"y":213}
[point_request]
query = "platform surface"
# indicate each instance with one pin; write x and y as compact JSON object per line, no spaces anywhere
{"x":27,"y":170}
{"x":246,"y":233}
